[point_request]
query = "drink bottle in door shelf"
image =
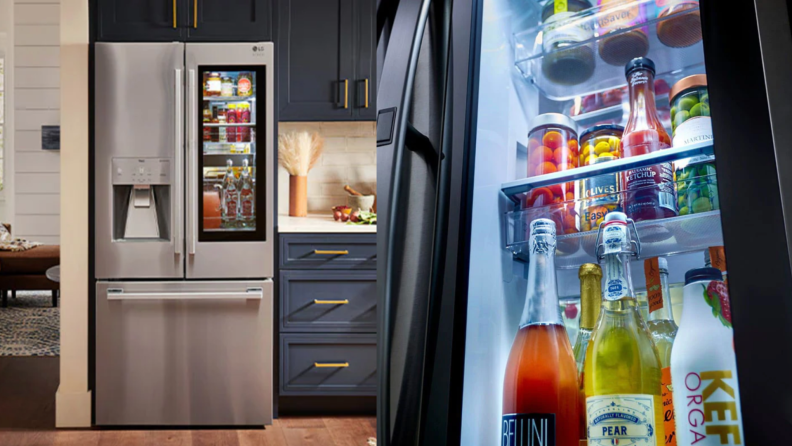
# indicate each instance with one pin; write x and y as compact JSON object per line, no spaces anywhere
{"x":590,"y":275}
{"x":649,"y":190}
{"x":622,"y":372}
{"x":247,"y":207}
{"x":230,"y":197}
{"x":663,"y":330}
{"x":232,"y":117}
{"x":703,"y":365}
{"x":540,"y":389}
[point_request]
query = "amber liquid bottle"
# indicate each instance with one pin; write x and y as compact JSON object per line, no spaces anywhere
{"x":650,"y":190}
{"x":540,"y":388}
{"x":590,"y":275}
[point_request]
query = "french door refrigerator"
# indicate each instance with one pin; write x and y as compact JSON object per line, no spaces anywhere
{"x":462,"y":80}
{"x":184,"y":184}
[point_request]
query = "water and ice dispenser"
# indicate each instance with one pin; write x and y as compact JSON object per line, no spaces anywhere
{"x":141,"y":199}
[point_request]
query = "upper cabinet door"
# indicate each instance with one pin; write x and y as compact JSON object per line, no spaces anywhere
{"x":316,"y":60}
{"x":141,"y":20}
{"x":230,"y":20}
{"x":365,"y":60}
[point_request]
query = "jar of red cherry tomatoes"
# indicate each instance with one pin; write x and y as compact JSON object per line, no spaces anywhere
{"x":553,"y":147}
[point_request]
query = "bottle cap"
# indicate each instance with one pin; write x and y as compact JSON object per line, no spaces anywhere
{"x":620,"y":217}
{"x":700,"y":274}
{"x":639,"y":63}
{"x":662,"y":264}
{"x":589,"y":269}
{"x":601,"y":127}
{"x":556,"y":119}
{"x":543,"y":226}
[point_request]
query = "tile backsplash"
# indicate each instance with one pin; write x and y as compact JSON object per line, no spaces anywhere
{"x":349,"y":157}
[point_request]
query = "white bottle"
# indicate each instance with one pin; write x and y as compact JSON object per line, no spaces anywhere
{"x":247,"y":198}
{"x":703,"y":365}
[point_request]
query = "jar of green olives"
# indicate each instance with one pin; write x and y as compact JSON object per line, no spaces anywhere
{"x":697,"y":187}
{"x":690,"y":111}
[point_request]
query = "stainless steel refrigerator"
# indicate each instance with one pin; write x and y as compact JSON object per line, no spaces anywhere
{"x":184,"y":243}
{"x":461,"y":81}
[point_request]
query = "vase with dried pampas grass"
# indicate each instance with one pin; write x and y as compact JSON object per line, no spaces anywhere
{"x":298,"y":152}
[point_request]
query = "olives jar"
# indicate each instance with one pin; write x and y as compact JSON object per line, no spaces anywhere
{"x":600,"y":144}
{"x":690,"y":111}
{"x":697,"y":188}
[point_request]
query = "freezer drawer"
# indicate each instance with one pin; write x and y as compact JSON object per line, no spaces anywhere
{"x":184,"y":353}
{"x":339,"y":301}
{"x":322,"y":364}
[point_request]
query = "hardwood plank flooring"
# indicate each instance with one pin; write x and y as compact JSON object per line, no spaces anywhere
{"x":27,"y":418}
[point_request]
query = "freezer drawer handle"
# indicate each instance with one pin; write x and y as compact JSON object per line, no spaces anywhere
{"x":340,"y":253}
{"x":331,"y":302}
{"x":250,"y":293}
{"x":331,"y":364}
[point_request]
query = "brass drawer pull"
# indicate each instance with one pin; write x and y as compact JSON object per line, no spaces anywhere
{"x":367,"y":94}
{"x":174,"y":14}
{"x":340,"y":253}
{"x":346,"y":93}
{"x":331,"y":364}
{"x":195,"y":14}
{"x":331,"y":302}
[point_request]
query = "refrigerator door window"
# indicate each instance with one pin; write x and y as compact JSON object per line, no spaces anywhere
{"x":229,"y":202}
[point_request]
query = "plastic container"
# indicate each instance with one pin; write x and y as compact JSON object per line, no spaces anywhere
{"x":571,"y":66}
{"x":690,"y":111}
{"x":599,"y":144}
{"x":553,"y":147}
{"x":682,"y":28}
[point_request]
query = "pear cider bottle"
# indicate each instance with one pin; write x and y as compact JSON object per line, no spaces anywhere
{"x":622,"y":372}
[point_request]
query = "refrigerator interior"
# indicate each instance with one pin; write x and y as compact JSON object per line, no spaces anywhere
{"x":512,"y":89}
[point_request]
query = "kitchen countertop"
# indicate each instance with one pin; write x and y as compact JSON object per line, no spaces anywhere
{"x":319,"y":223}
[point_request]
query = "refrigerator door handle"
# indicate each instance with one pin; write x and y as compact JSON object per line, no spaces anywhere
{"x":192,"y":162}
{"x":178,"y":237}
{"x":250,"y":293}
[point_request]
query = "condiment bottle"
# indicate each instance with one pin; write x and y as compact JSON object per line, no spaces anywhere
{"x":649,"y":190}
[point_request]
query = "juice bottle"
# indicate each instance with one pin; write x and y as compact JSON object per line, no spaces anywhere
{"x":590,"y":275}
{"x":649,"y":190}
{"x":622,"y":372}
{"x":540,"y":388}
{"x":703,"y":365}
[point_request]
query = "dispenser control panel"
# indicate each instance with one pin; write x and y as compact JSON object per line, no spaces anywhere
{"x":141,"y":171}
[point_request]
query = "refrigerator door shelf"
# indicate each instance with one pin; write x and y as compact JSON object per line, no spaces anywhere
{"x":184,"y":353}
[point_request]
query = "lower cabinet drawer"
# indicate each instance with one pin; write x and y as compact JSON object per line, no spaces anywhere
{"x":328,"y":364}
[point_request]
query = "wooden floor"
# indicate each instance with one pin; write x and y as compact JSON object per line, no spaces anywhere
{"x":27,"y":418}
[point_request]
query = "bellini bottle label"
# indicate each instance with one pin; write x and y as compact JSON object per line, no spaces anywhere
{"x":533,"y":429}
{"x":623,"y":420}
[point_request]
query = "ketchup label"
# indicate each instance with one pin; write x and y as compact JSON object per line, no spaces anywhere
{"x":652,"y":187}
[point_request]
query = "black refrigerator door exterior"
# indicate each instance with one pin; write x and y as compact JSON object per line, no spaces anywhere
{"x":413,"y":171}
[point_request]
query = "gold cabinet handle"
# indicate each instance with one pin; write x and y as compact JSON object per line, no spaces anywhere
{"x":340,"y":253}
{"x":367,"y":93}
{"x":195,"y":13}
{"x":174,"y":14}
{"x":331,"y":364}
{"x":346,"y":91}
{"x":331,"y":302}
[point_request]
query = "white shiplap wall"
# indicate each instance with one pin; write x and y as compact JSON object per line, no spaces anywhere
{"x":36,"y":103}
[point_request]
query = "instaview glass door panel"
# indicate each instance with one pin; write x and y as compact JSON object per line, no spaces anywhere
{"x":229,"y":168}
{"x":230,"y":160}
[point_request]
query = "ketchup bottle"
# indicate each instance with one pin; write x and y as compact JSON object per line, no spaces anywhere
{"x":650,"y":190}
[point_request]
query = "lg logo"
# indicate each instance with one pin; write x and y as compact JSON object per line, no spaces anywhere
{"x":258,"y":49}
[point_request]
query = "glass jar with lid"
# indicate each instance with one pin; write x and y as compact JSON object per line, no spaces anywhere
{"x":574,"y":65}
{"x":690,"y":111}
{"x":679,"y":23}
{"x":553,"y":147}
{"x":214,"y":84}
{"x":600,"y":194}
{"x":227,"y":86}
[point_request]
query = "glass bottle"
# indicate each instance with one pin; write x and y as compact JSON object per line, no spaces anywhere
{"x":590,"y":275}
{"x":650,"y":190}
{"x":703,"y":365}
{"x":230,"y":201}
{"x":622,"y":371}
{"x":663,"y":330}
{"x":540,"y":389}
{"x":247,"y":198}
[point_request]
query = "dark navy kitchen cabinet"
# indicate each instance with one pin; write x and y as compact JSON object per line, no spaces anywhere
{"x":230,"y":20}
{"x":184,"y":20}
{"x":326,"y":57}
